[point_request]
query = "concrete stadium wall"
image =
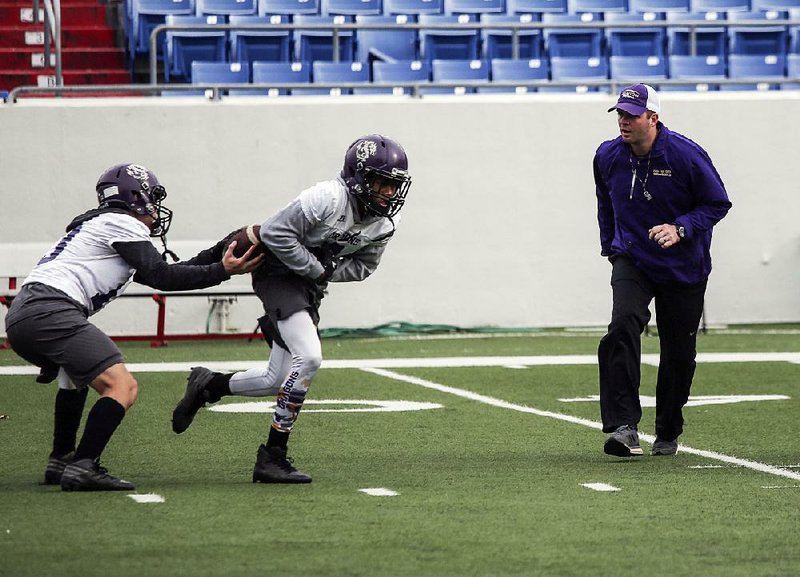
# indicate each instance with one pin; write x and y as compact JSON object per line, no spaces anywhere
{"x":500,"y":225}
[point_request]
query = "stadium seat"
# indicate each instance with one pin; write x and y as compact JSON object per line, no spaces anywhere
{"x":440,"y":44}
{"x":578,"y":71}
{"x":636,"y":41}
{"x":720,"y":5}
{"x":757,"y":39}
{"x":535,"y":6}
{"x":504,"y":70}
{"x":498,"y":43}
{"x":792,"y":71}
{"x":400,"y":71}
{"x":474,"y":6}
{"x":146,"y":15}
{"x":251,"y":45}
{"x":749,"y":66}
{"x":332,"y":72}
{"x":184,"y":46}
{"x":658,"y":6}
{"x":220,"y":73}
{"x":794,"y":32}
{"x":703,"y":70}
{"x":292,"y":73}
{"x":226,"y":7}
{"x":350,"y":7}
{"x":385,"y":44}
{"x":288,"y":7}
{"x":312,"y":45}
{"x":596,"y":6}
{"x":780,"y":5}
{"x":631,"y":69}
{"x":415,"y":7}
{"x":709,"y":40}
{"x":457,"y":71}
{"x":573,"y":42}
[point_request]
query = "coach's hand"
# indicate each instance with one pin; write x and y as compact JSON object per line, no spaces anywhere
{"x":666,"y":235}
{"x":243,"y":264}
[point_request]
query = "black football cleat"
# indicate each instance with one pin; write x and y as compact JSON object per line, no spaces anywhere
{"x":273,"y":466}
{"x":193,"y":399}
{"x":89,"y":475}
{"x":55,"y":468}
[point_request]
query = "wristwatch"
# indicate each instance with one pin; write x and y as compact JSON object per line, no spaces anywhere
{"x":680,"y":230}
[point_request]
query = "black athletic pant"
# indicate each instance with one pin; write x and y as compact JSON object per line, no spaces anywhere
{"x":678,"y":312}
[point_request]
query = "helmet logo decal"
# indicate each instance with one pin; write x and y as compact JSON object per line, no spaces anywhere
{"x":365,"y":149}
{"x":137,"y":171}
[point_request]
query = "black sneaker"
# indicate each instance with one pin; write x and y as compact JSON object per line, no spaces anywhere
{"x":55,"y":468}
{"x":193,"y":399}
{"x":624,"y":442}
{"x":89,"y":475}
{"x":662,"y":447}
{"x":273,"y":466}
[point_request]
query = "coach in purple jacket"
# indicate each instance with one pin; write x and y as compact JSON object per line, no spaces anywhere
{"x":658,"y":199}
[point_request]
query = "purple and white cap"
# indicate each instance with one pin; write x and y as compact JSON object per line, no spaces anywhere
{"x":638,"y":98}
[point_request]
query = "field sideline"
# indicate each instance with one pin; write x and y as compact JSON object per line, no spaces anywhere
{"x":500,"y":472}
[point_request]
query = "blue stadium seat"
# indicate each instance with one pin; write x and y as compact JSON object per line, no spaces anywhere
{"x":282,"y":73}
{"x":577,"y":70}
{"x":573,"y":42}
{"x":474,"y":6}
{"x":400,"y":71}
{"x":312,"y":45}
{"x":497,"y":43}
{"x":250,"y":45}
{"x":397,"y":44}
{"x":504,"y":70}
{"x":658,"y":6}
{"x":596,"y":6}
{"x":439,"y":44}
{"x":288,"y":7}
{"x":332,"y":72}
{"x":750,"y":66}
{"x":632,"y":69}
{"x":457,"y":71}
{"x":781,"y":5}
{"x":350,"y":7}
{"x":757,"y":39}
{"x":415,"y":7}
{"x":535,"y":6}
{"x":792,"y":71}
{"x":184,"y":46}
{"x":720,"y":5}
{"x":709,"y":40}
{"x":636,"y":41}
{"x":794,"y":32}
{"x":703,"y":70}
{"x":226,"y":7}
{"x":220,"y":73}
{"x":146,"y":15}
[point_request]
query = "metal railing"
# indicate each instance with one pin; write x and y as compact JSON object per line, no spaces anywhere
{"x":52,"y":27}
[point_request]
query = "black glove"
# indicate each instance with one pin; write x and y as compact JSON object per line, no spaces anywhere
{"x":330,"y":268}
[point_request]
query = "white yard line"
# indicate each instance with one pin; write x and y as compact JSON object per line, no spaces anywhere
{"x":754,"y":465}
{"x":603,"y":487}
{"x":433,"y":362}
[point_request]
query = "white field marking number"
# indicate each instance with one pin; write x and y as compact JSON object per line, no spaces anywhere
{"x":147,"y":498}
{"x":603,"y":487}
{"x":371,"y":406}
{"x":379,"y":492}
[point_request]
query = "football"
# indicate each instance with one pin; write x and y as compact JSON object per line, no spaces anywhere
{"x":247,"y":237}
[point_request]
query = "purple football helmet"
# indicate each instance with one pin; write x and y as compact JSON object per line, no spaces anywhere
{"x":372,"y":162}
{"x":137,"y":190}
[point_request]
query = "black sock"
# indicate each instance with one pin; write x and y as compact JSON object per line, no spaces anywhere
{"x":66,"y":419}
{"x":277,"y":438}
{"x":218,"y":387}
{"x":103,"y":420}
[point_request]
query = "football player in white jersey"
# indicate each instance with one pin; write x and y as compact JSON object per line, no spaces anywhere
{"x":334,"y":231}
{"x":104,"y":250}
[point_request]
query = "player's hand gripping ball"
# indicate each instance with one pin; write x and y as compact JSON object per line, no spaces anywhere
{"x":245,"y":238}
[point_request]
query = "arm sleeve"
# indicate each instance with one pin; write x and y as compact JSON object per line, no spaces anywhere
{"x":282,"y":234}
{"x":359,"y":265}
{"x":605,"y":211}
{"x":151,"y":270}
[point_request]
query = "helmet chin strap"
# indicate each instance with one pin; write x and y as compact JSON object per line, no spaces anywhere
{"x":166,"y":252}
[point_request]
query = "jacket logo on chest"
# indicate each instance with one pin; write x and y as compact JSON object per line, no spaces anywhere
{"x":662,"y":172}
{"x":345,"y":237}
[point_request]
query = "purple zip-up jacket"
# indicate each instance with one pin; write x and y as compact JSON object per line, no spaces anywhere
{"x":683,"y":188}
